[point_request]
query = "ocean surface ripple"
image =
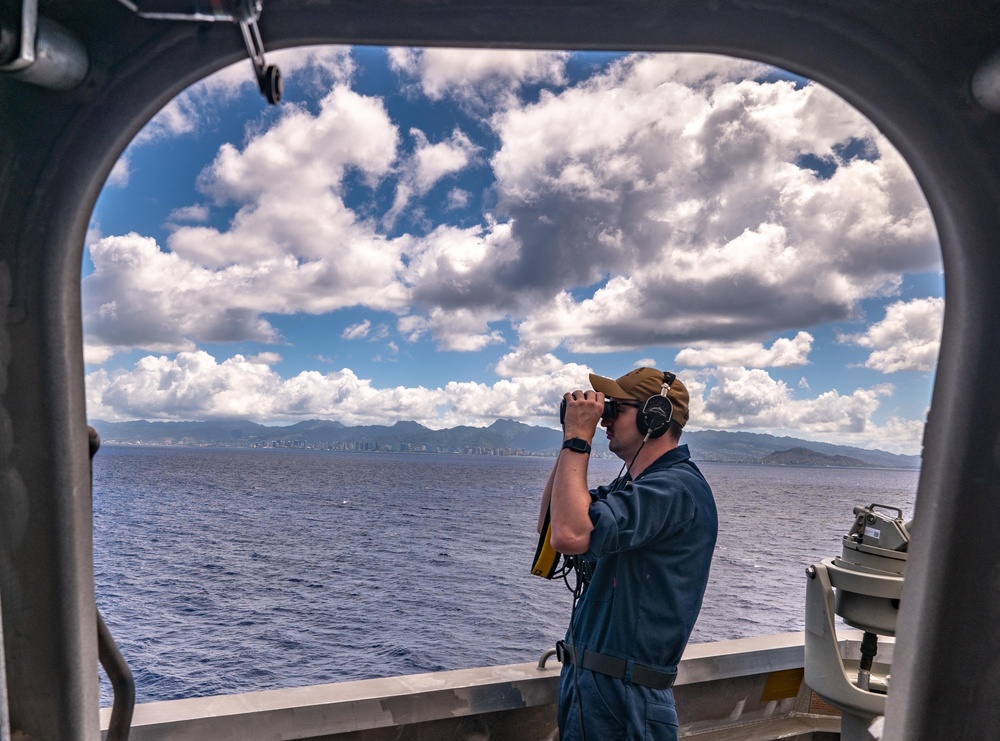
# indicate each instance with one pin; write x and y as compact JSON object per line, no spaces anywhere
{"x":224,"y":570}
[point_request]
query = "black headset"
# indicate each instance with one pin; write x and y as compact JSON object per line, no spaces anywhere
{"x":655,"y":415}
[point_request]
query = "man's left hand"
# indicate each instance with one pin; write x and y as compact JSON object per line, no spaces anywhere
{"x":583,"y":413}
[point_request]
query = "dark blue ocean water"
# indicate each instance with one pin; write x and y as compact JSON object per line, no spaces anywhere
{"x":233,"y":570}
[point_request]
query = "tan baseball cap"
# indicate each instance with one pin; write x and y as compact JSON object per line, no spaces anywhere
{"x":642,"y":383}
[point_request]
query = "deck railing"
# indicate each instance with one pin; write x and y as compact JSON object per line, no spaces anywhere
{"x":752,"y":687}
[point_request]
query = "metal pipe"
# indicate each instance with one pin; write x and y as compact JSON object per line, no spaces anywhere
{"x":121,"y":681}
{"x":59,"y":60}
{"x":25,"y":54}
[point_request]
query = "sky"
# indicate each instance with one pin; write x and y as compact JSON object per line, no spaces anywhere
{"x":459,"y":236}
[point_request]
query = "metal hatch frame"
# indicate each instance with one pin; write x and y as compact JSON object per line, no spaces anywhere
{"x":905,"y":64}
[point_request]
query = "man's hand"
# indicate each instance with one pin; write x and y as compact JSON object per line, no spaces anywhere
{"x":570,"y":499}
{"x":583,"y":413}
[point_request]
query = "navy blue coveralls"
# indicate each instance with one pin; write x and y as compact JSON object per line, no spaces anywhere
{"x":650,"y":553}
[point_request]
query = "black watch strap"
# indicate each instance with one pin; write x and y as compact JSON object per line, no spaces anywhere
{"x":577,"y":445}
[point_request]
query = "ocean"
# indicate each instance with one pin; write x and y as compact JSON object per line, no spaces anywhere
{"x":224,"y":570}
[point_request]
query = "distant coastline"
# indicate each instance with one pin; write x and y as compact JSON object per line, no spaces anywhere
{"x":806,"y":457}
{"x":502,"y":438}
{"x":356,"y":447}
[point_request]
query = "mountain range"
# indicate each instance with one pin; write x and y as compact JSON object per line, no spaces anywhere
{"x":504,"y":434}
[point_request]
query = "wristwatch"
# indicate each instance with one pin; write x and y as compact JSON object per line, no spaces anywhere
{"x":577,"y":445}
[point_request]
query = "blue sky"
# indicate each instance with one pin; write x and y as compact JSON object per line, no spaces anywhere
{"x":455,"y":236}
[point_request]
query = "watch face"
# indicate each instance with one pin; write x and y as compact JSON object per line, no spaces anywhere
{"x":577,"y":445}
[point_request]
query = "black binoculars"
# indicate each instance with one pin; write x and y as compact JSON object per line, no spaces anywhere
{"x":610,"y":410}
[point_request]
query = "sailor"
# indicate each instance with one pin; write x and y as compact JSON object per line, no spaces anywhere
{"x":642,"y":546}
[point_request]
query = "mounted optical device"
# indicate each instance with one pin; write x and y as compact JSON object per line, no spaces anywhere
{"x":863,"y":586}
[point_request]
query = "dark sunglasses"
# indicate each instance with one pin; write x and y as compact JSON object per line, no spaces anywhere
{"x":612,"y":407}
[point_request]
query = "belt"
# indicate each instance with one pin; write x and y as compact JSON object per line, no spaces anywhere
{"x":615,"y":667}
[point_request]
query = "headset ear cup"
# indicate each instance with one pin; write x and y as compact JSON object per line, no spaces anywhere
{"x":654,"y":417}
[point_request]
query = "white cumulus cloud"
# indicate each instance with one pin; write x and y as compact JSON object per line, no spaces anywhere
{"x":527,"y":361}
{"x":430,"y":163}
{"x":435,"y":161}
{"x":266,"y":358}
{"x":141,"y":296}
{"x":784,"y":352}
{"x":457,"y":198}
{"x":356,"y":331}
{"x":195,"y":385}
{"x":461,"y":330}
{"x":197,"y":212}
{"x":907,"y":339}
{"x":478,"y":76}
{"x":687,"y":189}
{"x":750,"y":399}
{"x":293,"y":246}
{"x":673,"y":182}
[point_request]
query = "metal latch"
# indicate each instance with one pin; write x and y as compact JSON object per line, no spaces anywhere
{"x":244,"y":12}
